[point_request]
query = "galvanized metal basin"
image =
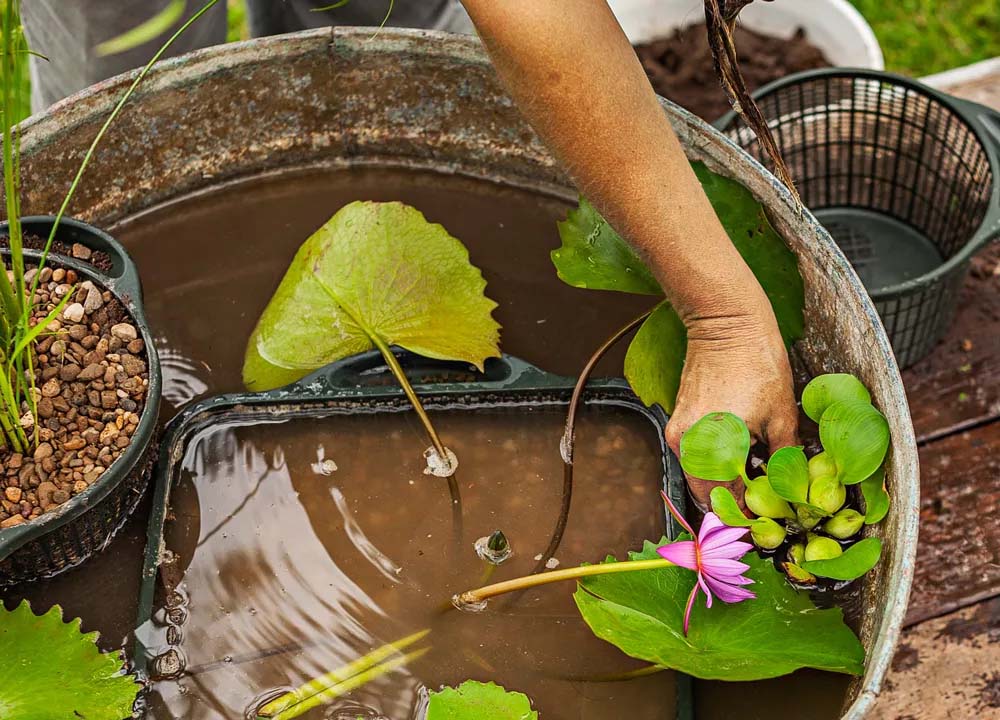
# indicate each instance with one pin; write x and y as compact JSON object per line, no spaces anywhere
{"x":428,"y":100}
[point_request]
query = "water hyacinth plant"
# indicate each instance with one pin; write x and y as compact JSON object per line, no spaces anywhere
{"x":800,"y":501}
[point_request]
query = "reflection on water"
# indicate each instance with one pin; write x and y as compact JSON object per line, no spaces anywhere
{"x":285,"y":573}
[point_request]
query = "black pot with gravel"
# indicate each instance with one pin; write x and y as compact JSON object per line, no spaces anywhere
{"x":97,"y":392}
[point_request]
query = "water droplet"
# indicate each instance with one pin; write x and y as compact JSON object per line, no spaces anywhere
{"x":475,"y":606}
{"x":551,"y":563}
{"x":494,"y":548}
{"x":438,"y":466}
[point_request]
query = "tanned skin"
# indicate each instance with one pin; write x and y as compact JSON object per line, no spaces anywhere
{"x":577,"y":80}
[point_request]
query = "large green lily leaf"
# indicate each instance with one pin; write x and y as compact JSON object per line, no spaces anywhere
{"x":594,"y":256}
{"x":479,"y":701}
{"x":376,"y":274}
{"x":49,"y":669}
{"x":780,"y":631}
{"x":654,"y":377}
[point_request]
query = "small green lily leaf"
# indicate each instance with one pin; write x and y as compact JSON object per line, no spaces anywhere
{"x":725,"y":506}
{"x":796,"y":573}
{"x":642,"y":613}
{"x":375,"y":275}
{"x":49,"y":669}
{"x":788,"y":473}
{"x":479,"y":701}
{"x":856,"y":436}
{"x":825,"y":390}
{"x":716,"y":448}
{"x":876,"y":497}
{"x":655,"y":358}
{"x":595,"y":257}
{"x":858,"y":559}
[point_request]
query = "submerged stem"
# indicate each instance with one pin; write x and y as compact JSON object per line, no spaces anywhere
{"x":397,"y":371}
{"x":569,"y":437}
{"x":477,"y":597}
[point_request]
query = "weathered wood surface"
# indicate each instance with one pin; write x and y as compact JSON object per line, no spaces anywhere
{"x":958,"y":385}
{"x":946,"y":669}
{"x":958,"y":558}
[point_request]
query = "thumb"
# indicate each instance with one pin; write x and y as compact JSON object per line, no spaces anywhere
{"x":782,"y":431}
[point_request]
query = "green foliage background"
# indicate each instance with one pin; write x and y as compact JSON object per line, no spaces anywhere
{"x":918,"y":37}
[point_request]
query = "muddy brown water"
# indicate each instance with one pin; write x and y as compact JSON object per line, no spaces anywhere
{"x":209,"y":263}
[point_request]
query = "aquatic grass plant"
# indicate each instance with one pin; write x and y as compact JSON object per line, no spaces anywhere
{"x":337,"y":683}
{"x":18,"y":329}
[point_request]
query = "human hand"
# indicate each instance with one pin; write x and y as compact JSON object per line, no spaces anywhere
{"x":736,"y":364}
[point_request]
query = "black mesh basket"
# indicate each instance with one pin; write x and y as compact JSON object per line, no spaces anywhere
{"x":902,"y":176}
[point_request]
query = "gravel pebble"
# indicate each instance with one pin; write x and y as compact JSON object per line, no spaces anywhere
{"x":124,"y":332}
{"x":73,"y":312}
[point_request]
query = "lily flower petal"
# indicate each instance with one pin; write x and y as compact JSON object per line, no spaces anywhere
{"x":732,"y":551}
{"x":680,"y":553}
{"x":728,"y":593}
{"x":721,"y":567}
{"x":721,"y":537}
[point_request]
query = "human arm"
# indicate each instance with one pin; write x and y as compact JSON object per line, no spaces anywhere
{"x":578,"y":82}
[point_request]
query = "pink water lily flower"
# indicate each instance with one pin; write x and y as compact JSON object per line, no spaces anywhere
{"x":713,"y":554}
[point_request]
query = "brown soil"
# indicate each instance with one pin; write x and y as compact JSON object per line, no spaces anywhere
{"x":681,"y":69}
{"x":91,"y":379}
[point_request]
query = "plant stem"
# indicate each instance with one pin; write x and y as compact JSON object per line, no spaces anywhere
{"x":475,"y":597}
{"x":569,"y":438}
{"x":397,"y":371}
{"x":454,"y":492}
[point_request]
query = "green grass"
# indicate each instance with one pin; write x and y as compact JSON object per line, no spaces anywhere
{"x":918,"y":37}
{"x":921,"y":37}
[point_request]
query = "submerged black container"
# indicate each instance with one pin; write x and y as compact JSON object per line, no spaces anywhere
{"x":906,"y":179}
{"x":364,"y":385}
{"x":66,"y":536}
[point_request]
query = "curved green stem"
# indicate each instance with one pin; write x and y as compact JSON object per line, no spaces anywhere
{"x":475,"y":597}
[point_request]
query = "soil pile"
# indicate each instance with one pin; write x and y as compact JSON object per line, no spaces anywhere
{"x":681,"y":69}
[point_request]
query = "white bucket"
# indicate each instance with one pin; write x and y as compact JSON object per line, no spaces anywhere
{"x":833,"y":26}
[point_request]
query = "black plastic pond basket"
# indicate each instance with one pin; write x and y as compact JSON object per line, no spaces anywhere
{"x":364,"y":385}
{"x":65,"y":537}
{"x":903,"y":177}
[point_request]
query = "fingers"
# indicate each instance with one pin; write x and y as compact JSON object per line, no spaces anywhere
{"x":782,"y":430}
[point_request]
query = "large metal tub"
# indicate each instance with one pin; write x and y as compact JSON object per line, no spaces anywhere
{"x":429,"y":100}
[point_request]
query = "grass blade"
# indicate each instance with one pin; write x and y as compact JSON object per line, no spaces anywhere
{"x":339,"y":676}
{"x":143,"y":33}
{"x":342,"y":688}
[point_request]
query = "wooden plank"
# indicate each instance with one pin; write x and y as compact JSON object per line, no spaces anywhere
{"x":958,"y":385}
{"x":958,"y":557}
{"x":945,"y":669}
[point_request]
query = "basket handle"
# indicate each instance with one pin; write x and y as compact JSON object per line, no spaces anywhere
{"x":986,"y":122}
{"x":369,"y":370}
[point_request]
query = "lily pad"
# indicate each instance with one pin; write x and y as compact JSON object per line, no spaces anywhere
{"x":642,"y":613}
{"x":375,"y":275}
{"x":594,"y":256}
{"x":854,"y":562}
{"x":856,"y":436}
{"x":479,"y":701}
{"x":652,"y":380}
{"x":49,"y":669}
{"x":716,"y":448}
